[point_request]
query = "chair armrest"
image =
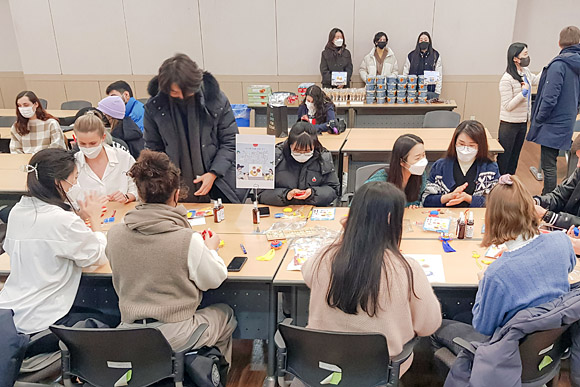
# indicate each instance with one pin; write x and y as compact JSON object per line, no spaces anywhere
{"x":278,"y":340}
{"x":193,"y":339}
{"x":464,"y":344}
{"x":405,"y":353}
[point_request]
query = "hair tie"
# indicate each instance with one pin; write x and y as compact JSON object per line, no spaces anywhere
{"x":30,"y":168}
{"x":90,"y":113}
{"x":505,"y":180}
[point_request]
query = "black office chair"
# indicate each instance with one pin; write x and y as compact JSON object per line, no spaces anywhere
{"x":43,"y":103}
{"x":102,"y":357}
{"x":75,"y":104}
{"x":361,"y":359}
{"x":533,"y":348}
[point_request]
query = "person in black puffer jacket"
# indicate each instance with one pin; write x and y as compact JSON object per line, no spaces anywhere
{"x":305,"y":172}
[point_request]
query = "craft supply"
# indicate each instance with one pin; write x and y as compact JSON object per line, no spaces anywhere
{"x":437,"y":224}
{"x":109,"y":220}
{"x":278,"y":215}
{"x":243,"y":249}
{"x":191,"y":214}
{"x":206,"y":234}
{"x":434,"y":213}
{"x":432,"y":265}
{"x":114,"y":213}
{"x":287,"y":234}
{"x":461,"y":226}
{"x":216,"y":212}
{"x":222,"y":244}
{"x":576,"y":231}
{"x":268,"y":256}
{"x":469,"y":226}
{"x":475,"y":254}
{"x":221,"y":210}
{"x":256,"y":213}
{"x":287,"y":210}
{"x":276,"y":244}
{"x":486,"y":261}
{"x":495,"y":251}
{"x":323,"y":214}
{"x":445,"y":238}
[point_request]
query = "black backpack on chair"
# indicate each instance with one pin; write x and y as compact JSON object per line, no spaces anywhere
{"x":206,"y":367}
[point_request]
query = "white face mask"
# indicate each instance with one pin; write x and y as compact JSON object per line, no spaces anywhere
{"x":93,"y":152}
{"x":26,"y":111}
{"x":338,"y":42}
{"x":466,"y":154}
{"x":311,"y":108}
{"x":302,"y":157}
{"x":419,"y":167}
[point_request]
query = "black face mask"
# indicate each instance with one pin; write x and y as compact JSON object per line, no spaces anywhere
{"x":182,"y":101}
{"x":382,"y":45}
{"x":423,"y":46}
{"x":525,"y":62}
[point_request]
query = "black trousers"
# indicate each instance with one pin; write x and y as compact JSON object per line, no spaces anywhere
{"x":511,"y":138}
{"x":549,"y":165}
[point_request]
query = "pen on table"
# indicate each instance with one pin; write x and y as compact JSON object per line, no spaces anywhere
{"x":243,"y":248}
{"x":114,"y":212}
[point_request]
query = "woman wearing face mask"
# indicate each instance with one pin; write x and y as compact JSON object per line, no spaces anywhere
{"x":335,"y":58}
{"x":406,"y":169}
{"x":34,"y":128}
{"x":381,"y":60}
{"x":466,"y":174}
{"x":305,"y":172}
{"x":122,"y":127}
{"x":515,"y":109}
{"x":425,"y":58}
{"x":49,"y":245}
{"x":316,"y":108}
{"x":102,"y":168}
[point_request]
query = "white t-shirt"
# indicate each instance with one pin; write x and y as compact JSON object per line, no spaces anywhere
{"x":48,"y":247}
{"x":114,"y":179}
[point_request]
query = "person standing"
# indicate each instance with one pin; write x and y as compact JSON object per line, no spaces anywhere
{"x":425,"y":58}
{"x":381,"y":60}
{"x":335,"y":58}
{"x":515,"y":91}
{"x":556,"y":106}
{"x":191,"y":120}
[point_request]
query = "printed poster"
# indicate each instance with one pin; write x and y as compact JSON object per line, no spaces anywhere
{"x":255,"y":161}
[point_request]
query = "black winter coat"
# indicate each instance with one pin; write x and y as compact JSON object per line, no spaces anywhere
{"x":218,"y":136}
{"x":318,"y":174}
{"x":335,"y":60}
{"x":128,"y":131}
{"x":563,"y":203}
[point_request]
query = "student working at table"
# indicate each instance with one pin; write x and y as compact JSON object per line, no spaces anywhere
{"x":466,"y":173}
{"x":531,"y":271}
{"x":406,"y":169}
{"x":305,"y":171}
{"x":166,"y":293}
{"x":362,"y":282}
{"x":101,"y":168}
{"x":318,"y":109}
{"x":49,"y":244}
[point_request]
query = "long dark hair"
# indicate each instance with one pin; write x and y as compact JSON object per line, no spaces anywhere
{"x":514,"y":50}
{"x":320,"y":101}
{"x":476,"y":131}
{"x":330,"y":44}
{"x":368,"y":250}
{"x":400,"y":152}
{"x":52,"y":165}
{"x":21,"y":124}
{"x":305,"y":136}
{"x":430,"y":49}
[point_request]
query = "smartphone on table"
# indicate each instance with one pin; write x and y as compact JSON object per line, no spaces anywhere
{"x":237,"y":263}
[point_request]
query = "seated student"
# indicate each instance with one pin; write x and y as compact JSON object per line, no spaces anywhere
{"x":166,"y":293}
{"x":133,"y":108}
{"x":561,"y":207}
{"x":466,"y":174}
{"x":34,"y":128}
{"x":316,"y":108}
{"x":123,"y":128}
{"x":425,"y":58}
{"x":406,"y":169}
{"x":362,"y":282}
{"x":335,"y":57}
{"x":305,"y":171}
{"x":102,"y":168}
{"x":381,"y":60}
{"x":533,"y":270}
{"x":49,"y":244}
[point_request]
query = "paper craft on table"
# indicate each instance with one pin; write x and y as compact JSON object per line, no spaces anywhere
{"x":494,"y":250}
{"x":197,"y":221}
{"x":323,"y":214}
{"x":432,"y":266}
{"x":437,"y":224}
{"x":338,"y":78}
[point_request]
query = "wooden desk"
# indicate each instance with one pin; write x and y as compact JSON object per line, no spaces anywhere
{"x":332,"y":142}
{"x":10,"y":161}
{"x":54,"y":112}
{"x":12,"y":177}
{"x":393,"y":115}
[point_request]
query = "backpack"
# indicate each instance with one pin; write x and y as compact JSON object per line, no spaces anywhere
{"x":206,"y":367}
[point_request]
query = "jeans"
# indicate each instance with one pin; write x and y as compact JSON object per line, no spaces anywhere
{"x":451,"y":329}
{"x":511,"y":137}
{"x":548,"y":163}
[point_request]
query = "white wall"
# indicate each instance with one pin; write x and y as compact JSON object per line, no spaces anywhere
{"x":268,"y":37}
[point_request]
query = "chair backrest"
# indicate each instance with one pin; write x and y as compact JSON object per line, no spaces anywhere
{"x":43,"y":103}
{"x":537,"y":346}
{"x":363,"y":358}
{"x":102,"y":356}
{"x":441,"y":119}
{"x":362,"y":174}
{"x":75,"y":105}
{"x":6,"y":121}
{"x":143,"y":100}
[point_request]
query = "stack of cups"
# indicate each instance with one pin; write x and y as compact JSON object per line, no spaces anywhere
{"x":402,"y":89}
{"x":381,"y":89}
{"x":411,"y":88}
{"x":371,"y":87}
{"x":421,"y":90}
{"x":391,"y":88}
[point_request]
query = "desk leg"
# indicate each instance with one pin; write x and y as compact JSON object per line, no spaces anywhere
{"x":351,"y":117}
{"x":340,"y":174}
{"x":270,"y":380}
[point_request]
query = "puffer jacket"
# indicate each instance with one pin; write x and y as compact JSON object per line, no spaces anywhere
{"x":514,"y":106}
{"x":369,"y":64}
{"x":563,"y":203}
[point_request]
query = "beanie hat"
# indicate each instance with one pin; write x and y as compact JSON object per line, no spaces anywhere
{"x":575,"y":145}
{"x":113,"y":106}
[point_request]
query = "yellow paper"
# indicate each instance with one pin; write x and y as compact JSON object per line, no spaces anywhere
{"x":268,"y":256}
